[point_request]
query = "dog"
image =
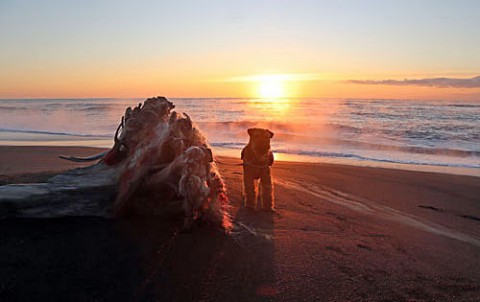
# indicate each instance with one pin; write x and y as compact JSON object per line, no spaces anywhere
{"x":257,"y":161}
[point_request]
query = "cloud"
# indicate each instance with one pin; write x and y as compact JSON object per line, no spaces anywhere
{"x":429,"y":82}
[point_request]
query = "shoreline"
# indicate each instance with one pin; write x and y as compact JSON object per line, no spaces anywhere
{"x":341,"y":233}
{"x":97,"y":146}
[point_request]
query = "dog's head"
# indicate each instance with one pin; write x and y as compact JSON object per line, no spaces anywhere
{"x":260,"y":139}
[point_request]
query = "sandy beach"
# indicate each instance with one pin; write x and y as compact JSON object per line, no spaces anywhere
{"x":340,"y":233}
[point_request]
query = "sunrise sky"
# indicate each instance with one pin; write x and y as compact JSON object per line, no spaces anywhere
{"x":206,"y":48}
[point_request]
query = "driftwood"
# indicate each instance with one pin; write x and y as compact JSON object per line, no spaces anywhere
{"x":79,"y":192}
{"x":160,"y":163}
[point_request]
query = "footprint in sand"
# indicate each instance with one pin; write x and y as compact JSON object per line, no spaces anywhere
{"x":335,"y":249}
{"x":471,"y":217}
{"x":365,"y":247}
{"x":366,"y":206}
{"x":430,"y":208}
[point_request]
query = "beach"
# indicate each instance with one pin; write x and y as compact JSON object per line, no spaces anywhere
{"x":132,"y":135}
{"x":339,"y":233}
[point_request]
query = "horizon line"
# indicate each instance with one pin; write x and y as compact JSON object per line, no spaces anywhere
{"x":237,"y":98}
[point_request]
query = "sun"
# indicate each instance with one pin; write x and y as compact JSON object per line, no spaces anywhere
{"x":271,"y":88}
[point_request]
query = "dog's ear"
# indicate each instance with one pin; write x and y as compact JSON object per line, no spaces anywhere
{"x":251,"y":131}
{"x":270,"y":132}
{"x":208,"y":154}
{"x":187,"y":117}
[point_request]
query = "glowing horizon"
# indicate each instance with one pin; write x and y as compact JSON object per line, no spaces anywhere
{"x":276,"y":86}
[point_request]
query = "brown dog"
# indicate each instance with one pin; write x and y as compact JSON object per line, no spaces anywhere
{"x":257,"y":159}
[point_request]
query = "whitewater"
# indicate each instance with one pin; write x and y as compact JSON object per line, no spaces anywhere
{"x":404,"y":133}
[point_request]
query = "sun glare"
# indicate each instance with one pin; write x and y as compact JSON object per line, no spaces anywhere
{"x":274,"y":86}
{"x":271,"y":89}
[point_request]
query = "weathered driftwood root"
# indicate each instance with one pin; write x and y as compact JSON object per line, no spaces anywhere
{"x":159,"y":161}
{"x":80,"y":192}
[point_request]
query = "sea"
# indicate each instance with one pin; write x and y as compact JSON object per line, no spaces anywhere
{"x":437,"y":136}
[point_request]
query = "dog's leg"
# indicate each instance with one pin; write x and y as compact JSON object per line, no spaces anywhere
{"x":248,"y":188}
{"x":267,"y":190}
{"x":259,"y":195}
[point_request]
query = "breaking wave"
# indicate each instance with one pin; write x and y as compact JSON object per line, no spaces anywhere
{"x":377,"y":159}
{"x":55,"y":133}
{"x":392,"y":131}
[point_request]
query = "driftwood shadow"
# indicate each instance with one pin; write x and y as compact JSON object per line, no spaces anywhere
{"x":135,"y":259}
{"x":206,"y":264}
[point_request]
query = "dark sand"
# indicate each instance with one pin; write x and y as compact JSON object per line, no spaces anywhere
{"x":340,"y":233}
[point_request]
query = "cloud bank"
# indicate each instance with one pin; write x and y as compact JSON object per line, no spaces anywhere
{"x":429,"y":82}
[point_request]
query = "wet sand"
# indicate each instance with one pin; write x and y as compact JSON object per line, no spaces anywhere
{"x":340,"y":233}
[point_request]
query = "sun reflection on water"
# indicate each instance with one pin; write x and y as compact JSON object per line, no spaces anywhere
{"x":273,"y":109}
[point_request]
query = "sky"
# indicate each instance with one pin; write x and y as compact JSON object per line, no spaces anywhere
{"x":208,"y":48}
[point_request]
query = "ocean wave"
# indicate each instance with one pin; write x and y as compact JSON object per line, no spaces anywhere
{"x":366,"y":146}
{"x":94,"y":107}
{"x":305,"y":141}
{"x":419,"y":132}
{"x":282,"y":129}
{"x":423,"y":131}
{"x":386,"y":143}
{"x":464,"y":105}
{"x":55,"y":133}
{"x":63,"y":106}
{"x":244,"y":125}
{"x":353,"y":156}
{"x":13,"y":108}
{"x":373,"y":159}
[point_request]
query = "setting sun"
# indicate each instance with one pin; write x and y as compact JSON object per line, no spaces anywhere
{"x":273,"y":86}
{"x":271,"y":89}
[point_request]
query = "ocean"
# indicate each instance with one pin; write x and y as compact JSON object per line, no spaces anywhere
{"x":439,"y":136}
